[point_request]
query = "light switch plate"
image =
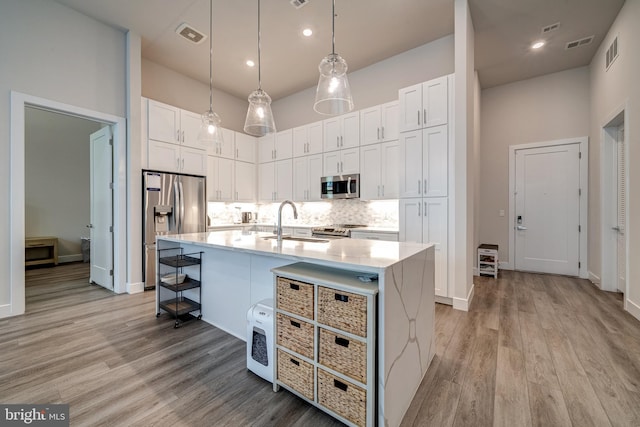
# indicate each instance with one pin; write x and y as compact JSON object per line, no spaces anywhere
{"x":501,"y":212}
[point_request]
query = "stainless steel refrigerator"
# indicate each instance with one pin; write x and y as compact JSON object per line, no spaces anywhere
{"x":172,"y":204}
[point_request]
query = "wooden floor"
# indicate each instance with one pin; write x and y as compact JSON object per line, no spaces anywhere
{"x":533,"y":350}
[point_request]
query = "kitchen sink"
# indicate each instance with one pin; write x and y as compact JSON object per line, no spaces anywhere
{"x":299,"y":239}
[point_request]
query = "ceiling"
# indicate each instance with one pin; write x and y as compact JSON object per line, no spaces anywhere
{"x":367,"y":31}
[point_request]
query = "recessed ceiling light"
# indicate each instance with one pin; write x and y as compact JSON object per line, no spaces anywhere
{"x":250,"y":63}
{"x":537,"y":45}
{"x":307,"y":32}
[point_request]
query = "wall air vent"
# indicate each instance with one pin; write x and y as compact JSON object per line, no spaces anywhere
{"x":612,"y":53}
{"x":189,"y":33}
{"x":577,"y":43}
{"x":299,"y":3}
{"x":550,"y":28}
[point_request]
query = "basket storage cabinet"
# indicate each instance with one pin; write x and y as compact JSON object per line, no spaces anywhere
{"x":488,"y":260}
{"x":325,"y":339}
{"x":179,"y":289}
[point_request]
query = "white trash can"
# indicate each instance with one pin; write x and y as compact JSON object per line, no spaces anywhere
{"x":260,"y":339}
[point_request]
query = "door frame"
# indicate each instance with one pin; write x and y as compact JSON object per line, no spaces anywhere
{"x":17,"y":187}
{"x":584,"y":199}
{"x":608,"y":279}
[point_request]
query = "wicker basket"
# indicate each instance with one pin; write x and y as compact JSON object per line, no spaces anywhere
{"x":343,"y":310}
{"x":343,"y":354}
{"x":295,"y":373}
{"x":295,"y":297}
{"x":295,"y":335}
{"x":342,"y":397}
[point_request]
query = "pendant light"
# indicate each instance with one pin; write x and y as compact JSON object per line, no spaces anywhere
{"x":210,"y":130}
{"x":333,"y":95}
{"x":259,"y":121}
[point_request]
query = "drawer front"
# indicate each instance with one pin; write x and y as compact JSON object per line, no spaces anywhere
{"x":295,"y":373}
{"x":342,"y":397}
{"x":295,"y":297}
{"x":343,"y":310}
{"x":492,"y":252}
{"x":343,"y":354}
{"x":295,"y":335}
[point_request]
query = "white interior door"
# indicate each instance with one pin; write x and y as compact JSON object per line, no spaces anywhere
{"x":101,"y":208}
{"x":547,"y":209}
{"x":621,"y":196}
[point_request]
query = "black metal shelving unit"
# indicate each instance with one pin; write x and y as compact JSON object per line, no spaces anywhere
{"x":182,"y":308}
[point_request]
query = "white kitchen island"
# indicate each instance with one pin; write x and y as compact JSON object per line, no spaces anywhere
{"x":236,"y":273}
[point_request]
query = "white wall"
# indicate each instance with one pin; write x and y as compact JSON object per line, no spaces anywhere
{"x":57,"y":173}
{"x":612,"y":91}
{"x":165,"y":85}
{"x":64,"y":56}
{"x":555,"y":106}
{"x":375,"y":84}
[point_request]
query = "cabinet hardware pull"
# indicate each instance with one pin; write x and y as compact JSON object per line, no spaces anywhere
{"x":382,"y":190}
{"x":236,"y":195}
{"x":419,"y":207}
{"x":424,"y":120}
{"x":418,"y":117}
{"x":339,"y":384}
{"x":295,"y":324}
{"x":342,"y":298}
{"x":178,"y":164}
{"x":294,"y":286}
{"x":425,"y":209}
{"x":419,"y":182}
{"x":341,"y":166}
{"x":295,"y":362}
{"x":182,"y":136}
{"x":337,"y":141}
{"x":425,"y":186}
{"x":182,"y":164}
{"x":382,"y":132}
{"x":178,"y":135}
{"x":338,"y":167}
{"x":378,"y":191}
{"x":378,"y":133}
{"x":237,"y":153}
{"x":342,"y":342}
{"x":341,"y":141}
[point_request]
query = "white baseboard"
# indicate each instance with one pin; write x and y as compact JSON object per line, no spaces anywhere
{"x":5,"y":311}
{"x":444,"y":300}
{"x":632,"y":308}
{"x":504,"y":265}
{"x":464,"y":303}
{"x":594,"y":279}
{"x":69,"y":258}
{"x":135,"y":288}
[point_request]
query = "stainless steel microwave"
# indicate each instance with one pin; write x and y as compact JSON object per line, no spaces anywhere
{"x":340,"y":186}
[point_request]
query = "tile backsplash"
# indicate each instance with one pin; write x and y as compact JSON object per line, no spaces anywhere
{"x":379,"y":213}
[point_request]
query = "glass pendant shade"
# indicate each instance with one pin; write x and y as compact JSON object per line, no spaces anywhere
{"x":210,"y":131}
{"x":333,"y":95}
{"x":259,"y":121}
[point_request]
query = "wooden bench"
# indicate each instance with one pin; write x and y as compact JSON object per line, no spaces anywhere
{"x":40,"y":250}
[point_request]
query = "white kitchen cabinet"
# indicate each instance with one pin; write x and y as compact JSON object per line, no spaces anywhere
{"x":307,"y":172}
{"x":227,"y":148}
{"x":379,"y":123}
{"x":372,"y":235}
{"x":341,"y":162}
{"x":278,"y":146}
{"x":424,"y":105}
{"x":245,"y":182}
{"x":167,"y":157}
{"x":220,"y":173}
{"x":274,"y":181}
{"x":424,"y":162}
{"x":425,"y":220}
{"x":307,"y":139}
{"x":379,"y":171}
{"x":245,"y":147}
{"x":341,"y":132}
{"x":172,"y":124}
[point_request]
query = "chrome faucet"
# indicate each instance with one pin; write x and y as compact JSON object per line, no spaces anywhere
{"x":279,"y":226}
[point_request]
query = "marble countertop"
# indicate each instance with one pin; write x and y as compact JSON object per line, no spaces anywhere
{"x":366,"y":255}
{"x":372,"y":229}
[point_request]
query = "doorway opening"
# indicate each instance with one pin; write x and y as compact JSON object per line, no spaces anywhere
{"x":548,"y":192}
{"x":19,"y":103}
{"x":614,"y":180}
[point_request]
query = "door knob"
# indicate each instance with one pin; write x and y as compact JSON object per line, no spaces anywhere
{"x":89,"y":225}
{"x":521,"y":227}
{"x":616,"y":228}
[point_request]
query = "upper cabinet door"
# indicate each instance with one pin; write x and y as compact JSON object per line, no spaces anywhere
{"x":266,"y":148}
{"x":390,"y":115}
{"x":435,"y":162}
{"x":410,"y":99}
{"x":389,"y":170}
{"x":434,"y":102}
{"x":189,"y":130}
{"x":284,"y":144}
{"x":245,"y":147}
{"x":332,"y":132}
{"x":410,"y":164}
{"x":350,"y":130}
{"x":314,"y":138}
{"x":245,"y":182}
{"x":227,"y":148}
{"x":164,"y":122}
{"x":300,"y":140}
{"x":370,"y":126}
{"x":370,"y":172}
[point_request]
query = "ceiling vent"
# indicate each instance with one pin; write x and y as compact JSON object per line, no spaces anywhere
{"x":550,"y":28}
{"x":188,"y":32}
{"x":577,"y":43}
{"x":299,"y":3}
{"x":612,"y":53}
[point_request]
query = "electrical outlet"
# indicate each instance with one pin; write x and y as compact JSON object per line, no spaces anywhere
{"x":501,"y":212}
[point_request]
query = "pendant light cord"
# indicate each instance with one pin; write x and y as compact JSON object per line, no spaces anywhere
{"x":333,"y":28}
{"x":210,"y":55}
{"x":259,"y":67}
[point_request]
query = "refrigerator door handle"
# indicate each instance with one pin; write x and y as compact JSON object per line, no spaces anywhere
{"x":176,"y":205}
{"x":181,"y":206}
